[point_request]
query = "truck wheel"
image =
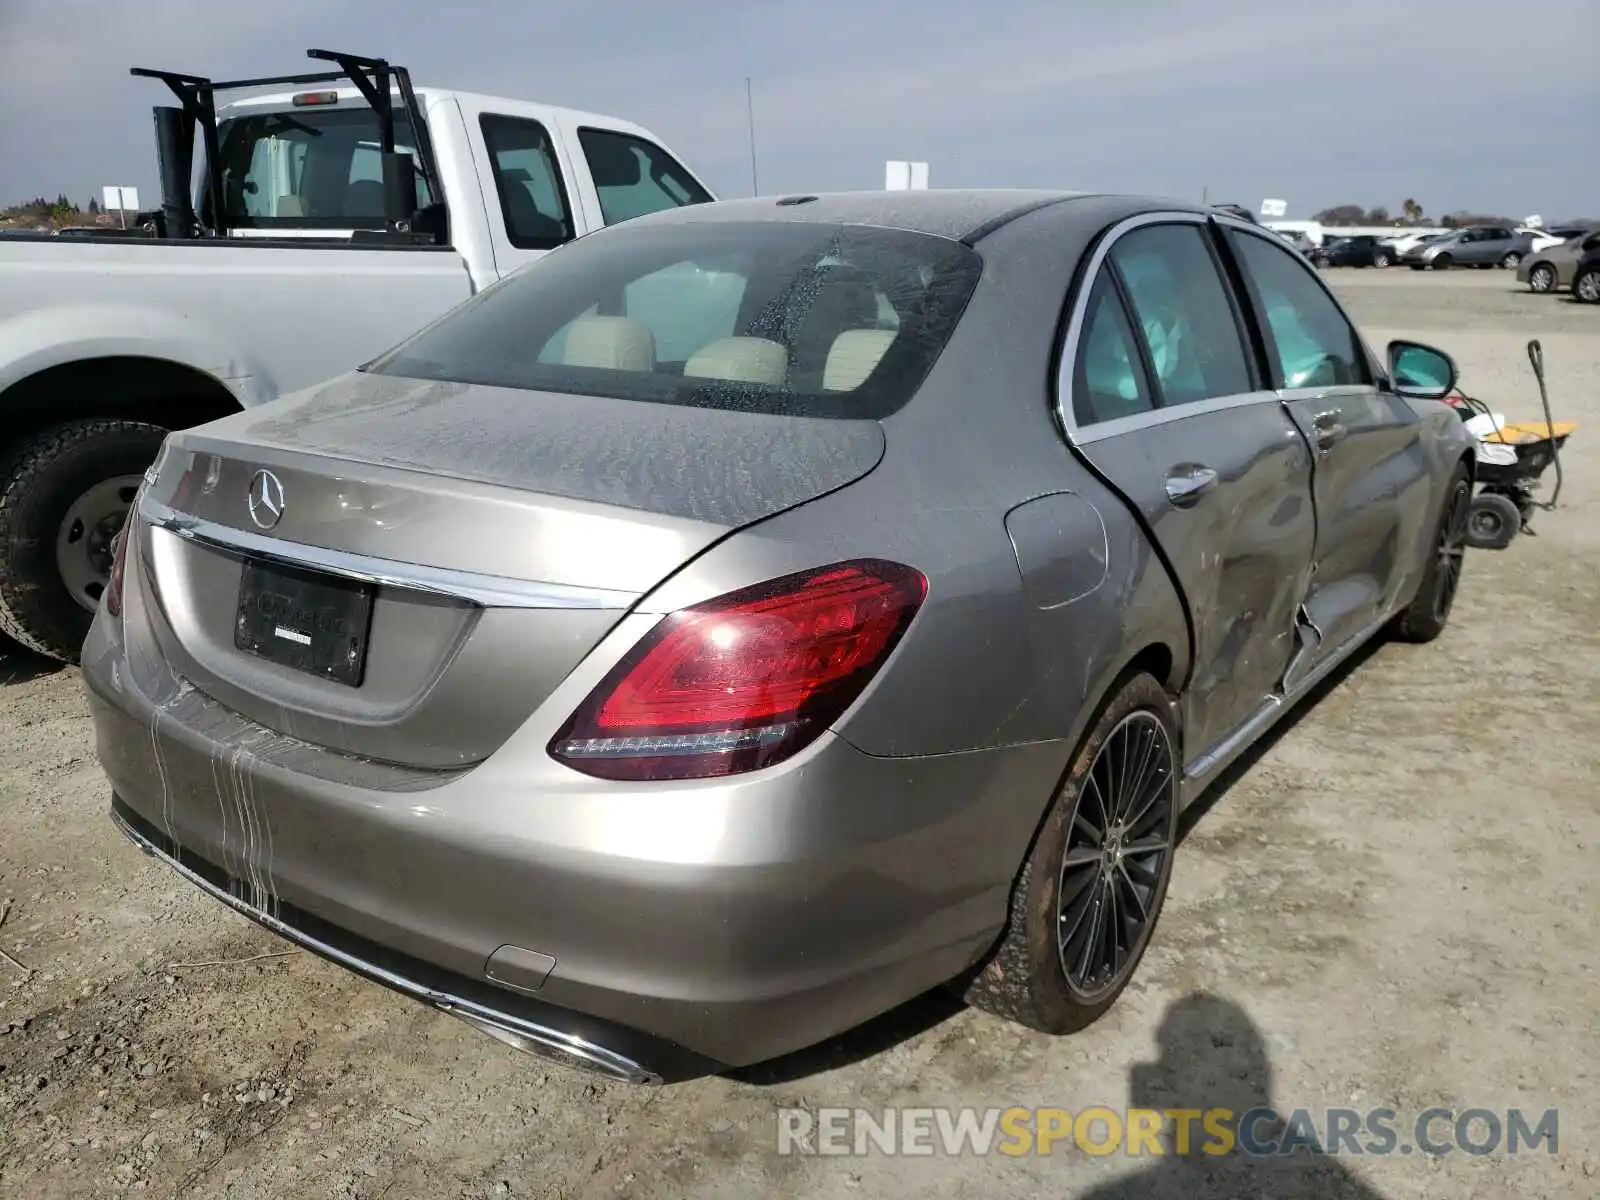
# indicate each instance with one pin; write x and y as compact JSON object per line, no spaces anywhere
{"x":1090,"y":893}
{"x":64,"y":494}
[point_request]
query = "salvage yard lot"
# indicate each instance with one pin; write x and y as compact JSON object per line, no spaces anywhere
{"x":1395,"y":900}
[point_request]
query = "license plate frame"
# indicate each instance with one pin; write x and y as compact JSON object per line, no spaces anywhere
{"x":310,"y":622}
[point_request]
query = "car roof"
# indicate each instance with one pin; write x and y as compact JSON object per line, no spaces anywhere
{"x":961,"y":214}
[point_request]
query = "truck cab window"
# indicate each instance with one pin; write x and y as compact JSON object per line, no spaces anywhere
{"x":634,"y":176}
{"x":533,"y":198}
{"x":309,"y":169}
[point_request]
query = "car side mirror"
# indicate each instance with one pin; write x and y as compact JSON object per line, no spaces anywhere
{"x":1421,"y":372}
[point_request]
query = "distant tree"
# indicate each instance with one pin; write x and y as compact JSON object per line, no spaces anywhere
{"x":1377,"y":216}
{"x":1413,"y":211}
{"x":1341,"y":214}
{"x":94,"y":207}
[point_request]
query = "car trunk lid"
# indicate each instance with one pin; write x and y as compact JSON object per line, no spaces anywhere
{"x":468,"y":544}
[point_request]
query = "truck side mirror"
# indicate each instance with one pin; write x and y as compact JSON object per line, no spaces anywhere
{"x":399,"y":189}
{"x":175,"y":160}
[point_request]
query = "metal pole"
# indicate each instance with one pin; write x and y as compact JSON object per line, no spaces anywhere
{"x":1205,"y":193}
{"x":750,"y":116}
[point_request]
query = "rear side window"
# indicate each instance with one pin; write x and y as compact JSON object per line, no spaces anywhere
{"x":314,"y":168}
{"x":775,"y":317}
{"x":634,"y":177}
{"x":1184,"y":314}
{"x":533,"y":198}
{"x":1310,"y":342}
{"x":1108,"y":380}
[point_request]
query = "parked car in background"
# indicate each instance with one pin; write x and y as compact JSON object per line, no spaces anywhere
{"x":1545,"y":239}
{"x":1479,"y":246}
{"x":1361,"y":250}
{"x":1299,"y":239}
{"x":1586,"y":278}
{"x":1406,"y":242}
{"x":309,"y":264}
{"x":589,"y":655}
{"x":1552,"y":270}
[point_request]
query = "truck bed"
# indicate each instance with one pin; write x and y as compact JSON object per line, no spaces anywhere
{"x":264,"y":315}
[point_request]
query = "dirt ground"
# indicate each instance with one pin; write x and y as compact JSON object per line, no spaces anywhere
{"x":1394,"y":904}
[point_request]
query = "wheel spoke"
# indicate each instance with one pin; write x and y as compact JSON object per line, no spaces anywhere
{"x":1131,"y":888}
{"x":1113,"y":865}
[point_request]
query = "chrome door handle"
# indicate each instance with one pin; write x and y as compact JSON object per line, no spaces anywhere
{"x":1188,"y":483}
{"x":1329,"y":428}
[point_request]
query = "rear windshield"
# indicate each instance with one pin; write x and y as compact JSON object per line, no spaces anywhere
{"x":314,"y":168}
{"x":775,"y":317}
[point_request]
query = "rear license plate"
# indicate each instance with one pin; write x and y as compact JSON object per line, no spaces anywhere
{"x":304,"y":620}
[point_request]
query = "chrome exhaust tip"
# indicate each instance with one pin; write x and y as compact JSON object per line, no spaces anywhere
{"x":563,"y":1048}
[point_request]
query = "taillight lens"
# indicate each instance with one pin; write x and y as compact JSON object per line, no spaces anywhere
{"x":119,"y":558}
{"x":746,"y":680}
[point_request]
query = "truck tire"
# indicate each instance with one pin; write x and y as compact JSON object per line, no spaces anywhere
{"x":64,"y":494}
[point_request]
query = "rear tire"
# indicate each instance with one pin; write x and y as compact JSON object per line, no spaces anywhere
{"x":64,"y":493}
{"x":1511,"y":261}
{"x":1586,"y":286}
{"x":1380,"y":259}
{"x":1090,"y":893}
{"x":1441,"y":263}
{"x":1429,"y":611}
{"x":1493,"y":522}
{"x":1542,"y":279}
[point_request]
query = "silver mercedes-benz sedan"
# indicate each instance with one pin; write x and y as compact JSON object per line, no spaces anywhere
{"x":751,"y":616}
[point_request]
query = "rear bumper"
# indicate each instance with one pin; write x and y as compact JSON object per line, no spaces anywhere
{"x":720,"y":923}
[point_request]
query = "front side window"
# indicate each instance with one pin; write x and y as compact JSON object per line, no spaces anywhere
{"x":634,"y":177}
{"x":533,"y":199}
{"x":1108,"y":378}
{"x":1311,"y":342}
{"x":776,"y":317}
{"x":1183,"y":312}
{"x":314,"y":168}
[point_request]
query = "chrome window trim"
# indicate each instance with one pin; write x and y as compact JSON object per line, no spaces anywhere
{"x":489,"y":591}
{"x":1082,"y":435}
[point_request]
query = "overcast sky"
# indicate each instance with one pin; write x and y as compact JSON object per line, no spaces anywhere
{"x":1465,"y":104}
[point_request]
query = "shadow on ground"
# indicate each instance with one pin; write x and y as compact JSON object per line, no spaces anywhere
{"x":1213,"y":1064}
{"x":19,"y":664}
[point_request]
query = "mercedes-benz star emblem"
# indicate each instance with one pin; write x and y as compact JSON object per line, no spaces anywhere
{"x":266,"y":499}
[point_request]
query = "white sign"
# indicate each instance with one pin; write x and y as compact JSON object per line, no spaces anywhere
{"x":905,"y":176}
{"x":124,"y":199}
{"x":1534,"y":222}
{"x":1274,"y":208}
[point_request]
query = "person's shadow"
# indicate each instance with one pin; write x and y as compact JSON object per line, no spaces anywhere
{"x":1213,"y":1057}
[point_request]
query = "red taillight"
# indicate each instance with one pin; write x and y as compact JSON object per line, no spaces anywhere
{"x":119,"y":558}
{"x":743,"y":681}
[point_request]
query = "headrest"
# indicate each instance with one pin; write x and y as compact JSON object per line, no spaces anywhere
{"x":616,"y":343}
{"x":855,"y":355}
{"x":291,"y":206}
{"x":740,"y":360}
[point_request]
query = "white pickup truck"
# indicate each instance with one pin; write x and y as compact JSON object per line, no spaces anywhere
{"x":349,"y":217}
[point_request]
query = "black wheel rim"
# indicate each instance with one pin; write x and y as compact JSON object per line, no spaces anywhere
{"x":1115,"y":863}
{"x":1452,"y":551}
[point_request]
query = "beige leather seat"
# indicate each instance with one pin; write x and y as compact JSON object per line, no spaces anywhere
{"x":740,"y":360}
{"x":855,"y":354}
{"x":614,"y":343}
{"x":290,"y":206}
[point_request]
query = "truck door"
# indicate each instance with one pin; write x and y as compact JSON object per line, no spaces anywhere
{"x":527,"y":181}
